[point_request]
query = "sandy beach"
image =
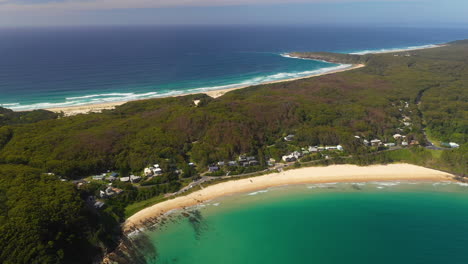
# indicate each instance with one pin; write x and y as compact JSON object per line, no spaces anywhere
{"x":96,"y":108}
{"x":335,"y":173}
{"x":401,"y":50}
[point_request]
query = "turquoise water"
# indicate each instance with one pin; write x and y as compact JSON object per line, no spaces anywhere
{"x":340,"y":223}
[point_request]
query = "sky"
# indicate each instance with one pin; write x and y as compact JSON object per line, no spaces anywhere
{"x":418,"y":13}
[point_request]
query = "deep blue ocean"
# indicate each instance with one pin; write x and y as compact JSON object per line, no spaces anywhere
{"x":52,"y":67}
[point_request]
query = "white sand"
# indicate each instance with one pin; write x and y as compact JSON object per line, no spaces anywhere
{"x":335,"y":173}
{"x":96,"y":108}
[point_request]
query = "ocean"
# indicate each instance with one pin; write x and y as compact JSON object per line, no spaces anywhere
{"x":56,"y":67}
{"x":365,"y":223}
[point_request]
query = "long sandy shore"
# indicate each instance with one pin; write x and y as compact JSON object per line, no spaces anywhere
{"x":335,"y":173}
{"x":95,"y":108}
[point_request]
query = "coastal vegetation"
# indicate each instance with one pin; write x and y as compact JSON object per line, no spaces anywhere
{"x":50,"y":208}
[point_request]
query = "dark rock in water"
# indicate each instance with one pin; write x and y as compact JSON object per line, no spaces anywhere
{"x":135,"y":250}
{"x":185,"y":214}
{"x":197,"y":222}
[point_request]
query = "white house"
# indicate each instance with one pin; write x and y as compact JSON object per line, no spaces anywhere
{"x":397,"y":136}
{"x":125,"y":179}
{"x":289,"y":158}
{"x":134,"y":178}
{"x":313,"y":149}
{"x":454,"y":145}
{"x":339,"y":147}
{"x":148,"y":171}
{"x":297,"y":154}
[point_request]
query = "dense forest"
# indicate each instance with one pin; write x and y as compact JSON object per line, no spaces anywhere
{"x":46,"y":219}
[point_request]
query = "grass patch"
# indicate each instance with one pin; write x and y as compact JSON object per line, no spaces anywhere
{"x":135,"y":207}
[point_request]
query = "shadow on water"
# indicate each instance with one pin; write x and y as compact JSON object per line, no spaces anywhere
{"x":136,"y":249}
{"x":197,"y":222}
{"x":139,"y":249}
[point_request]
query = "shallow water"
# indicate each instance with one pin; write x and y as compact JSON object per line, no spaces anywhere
{"x":385,"y":222}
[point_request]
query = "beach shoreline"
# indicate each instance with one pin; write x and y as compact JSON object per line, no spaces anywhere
{"x":310,"y":175}
{"x":99,"y":107}
{"x":96,"y":108}
{"x":401,"y":50}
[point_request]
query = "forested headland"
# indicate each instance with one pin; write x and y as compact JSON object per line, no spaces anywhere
{"x":46,"y":218}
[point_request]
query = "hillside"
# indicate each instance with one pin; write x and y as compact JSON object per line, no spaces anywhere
{"x":406,"y":93}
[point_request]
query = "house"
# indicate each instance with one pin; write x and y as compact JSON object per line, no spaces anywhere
{"x":414,"y":142}
{"x":221,"y":163}
{"x":313,"y":149}
{"x":250,"y":158}
{"x":245,"y":164}
{"x":253,"y":163}
{"x":98,"y":204}
{"x":320,"y":148}
{"x":358,"y":137}
{"x":191,"y":164}
{"x":339,"y":147}
{"x":148,"y":171}
{"x":404,"y":143}
{"x":232,"y":163}
{"x":111,"y":191}
{"x":111,"y":178}
{"x":213,"y":168}
{"x":271,"y":162}
{"x":454,"y":145}
{"x":289,"y":138}
{"x":242,"y":158}
{"x":397,"y":136}
{"x":330,"y":147}
{"x":297,"y":154}
{"x":366,"y":142}
{"x":389,"y":144}
{"x":289,"y":158}
{"x":134,"y":178}
{"x":156,"y":165}
{"x":305,"y":152}
{"x":99,"y":177}
{"x":376,"y":142}
{"x":157,"y":171}
{"x":125,"y":179}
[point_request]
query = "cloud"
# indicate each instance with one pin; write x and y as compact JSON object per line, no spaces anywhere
{"x":70,"y":5}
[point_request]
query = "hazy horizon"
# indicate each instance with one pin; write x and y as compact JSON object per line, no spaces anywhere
{"x":388,"y":13}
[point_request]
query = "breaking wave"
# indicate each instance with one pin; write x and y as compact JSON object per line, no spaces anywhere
{"x":122,"y":97}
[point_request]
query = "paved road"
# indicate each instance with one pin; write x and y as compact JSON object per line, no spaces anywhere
{"x":431,"y":145}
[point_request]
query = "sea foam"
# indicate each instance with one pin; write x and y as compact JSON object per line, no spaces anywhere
{"x":376,"y":51}
{"x":257,"y":192}
{"x":120,"y":97}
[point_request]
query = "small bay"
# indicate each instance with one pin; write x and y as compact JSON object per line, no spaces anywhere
{"x":384,"y":222}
